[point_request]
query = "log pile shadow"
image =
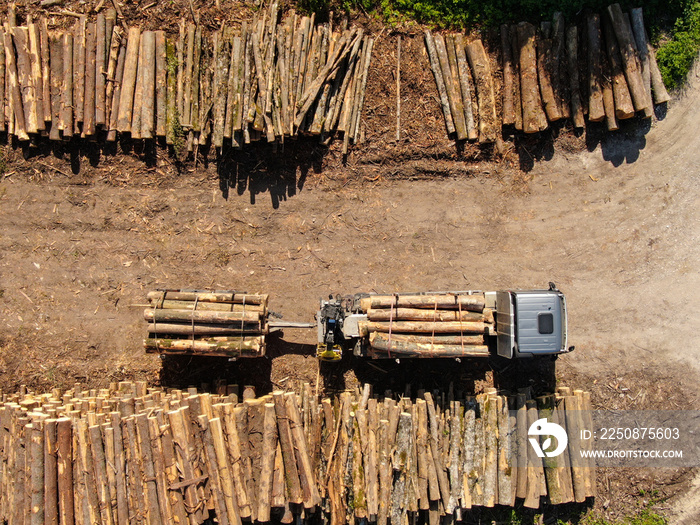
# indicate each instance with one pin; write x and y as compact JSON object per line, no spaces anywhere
{"x":280,"y":170}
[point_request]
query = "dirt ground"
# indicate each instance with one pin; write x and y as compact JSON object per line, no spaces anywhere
{"x":613,"y":220}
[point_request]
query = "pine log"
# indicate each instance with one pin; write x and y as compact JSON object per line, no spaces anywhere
{"x":534,"y":464}
{"x":171,"y":115}
{"x":558,"y":72}
{"x":37,"y":79}
{"x":534,"y":118}
{"x":642,"y":40}
{"x":453,"y":88}
{"x":471,"y":302}
{"x":20,"y":36}
{"x":128,"y":86}
{"x":65,"y":123}
{"x":212,"y":467}
{"x":225,"y":475}
{"x":148,"y":97}
{"x":596,"y":109}
{"x":79,"y":69}
{"x":545,"y":66}
{"x":101,"y":44}
{"x":221,"y":80}
{"x":555,"y":489}
{"x":428,"y":488}
{"x":468,"y":438}
{"x":237,"y":468}
{"x":621,"y":95}
{"x":91,"y":503}
{"x":630,"y":59}
{"x":564,"y":472}
{"x":202,"y":305}
{"x":175,"y":497}
{"x":188,"y":328}
{"x":455,"y":452}
{"x":233,"y":98}
{"x":4,"y":96}
{"x":211,"y":297}
{"x":443,"y":481}
{"x":443,"y":339}
{"x":488,"y":120}
{"x":609,"y":104}
{"x":460,"y":98}
{"x":648,"y":55}
{"x":506,"y":470}
{"x":587,"y":420}
{"x":574,"y":85}
{"x":268,"y":462}
{"x":180,"y":431}
{"x":466,"y":327}
{"x":201,"y":316}
{"x":116,"y":95}
{"x":122,"y":511}
{"x":188,"y":79}
{"x":64,"y":470}
{"x":439,"y":81}
{"x":369,"y":44}
{"x":466,"y":85}
{"x":56,"y":52}
{"x":229,"y":347}
{"x":641,"y":44}
{"x":45,"y":69}
{"x":294,"y":493}
{"x":141,"y":77}
{"x":90,"y":80}
{"x":36,"y":455}
{"x":306,"y":476}
{"x":200,"y":78}
{"x":154,"y":431}
{"x":50,"y":453}
{"x":395,"y":348}
{"x":490,"y":417}
{"x":508,"y":105}
{"x":100,"y":470}
{"x":517,"y":95}
{"x":424,"y":314}
{"x":521,"y":447}
{"x":401,"y":466}
{"x":111,"y":72}
{"x":160,"y":82}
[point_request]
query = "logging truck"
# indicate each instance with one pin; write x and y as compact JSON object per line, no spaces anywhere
{"x":507,"y":323}
{"x":511,"y":324}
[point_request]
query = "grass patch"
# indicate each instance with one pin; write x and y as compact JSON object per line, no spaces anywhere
{"x":676,"y":56}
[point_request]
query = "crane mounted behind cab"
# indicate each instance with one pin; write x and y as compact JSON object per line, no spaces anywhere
{"x":512,"y":324}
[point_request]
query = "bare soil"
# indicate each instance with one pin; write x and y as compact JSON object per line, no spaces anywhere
{"x":87,"y":231}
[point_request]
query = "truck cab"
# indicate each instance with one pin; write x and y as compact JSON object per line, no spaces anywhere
{"x":530,"y":323}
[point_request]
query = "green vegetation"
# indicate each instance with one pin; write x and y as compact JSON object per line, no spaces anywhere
{"x":676,"y":56}
{"x":646,"y":517}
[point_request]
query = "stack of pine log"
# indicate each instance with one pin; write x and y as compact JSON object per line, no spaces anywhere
{"x":542,"y":82}
{"x":129,"y":454}
{"x":432,"y":325}
{"x":267,"y":78}
{"x":227,"y":324}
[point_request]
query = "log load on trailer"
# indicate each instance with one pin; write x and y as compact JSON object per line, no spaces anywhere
{"x":511,"y":324}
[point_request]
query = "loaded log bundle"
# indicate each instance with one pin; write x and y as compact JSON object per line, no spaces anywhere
{"x":269,"y":78}
{"x":129,"y":453}
{"x":227,"y":324}
{"x":546,"y":76}
{"x":433,"y":325}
